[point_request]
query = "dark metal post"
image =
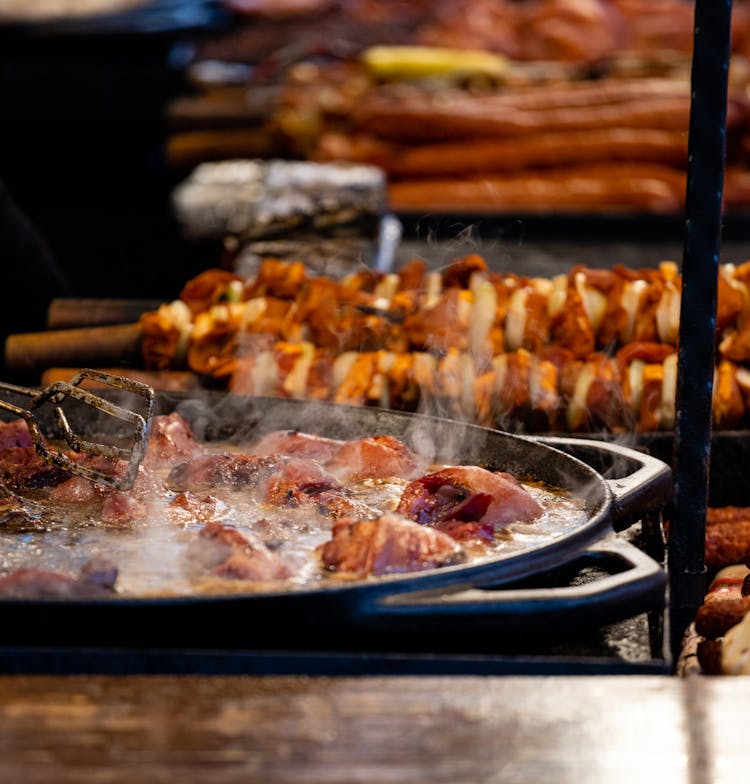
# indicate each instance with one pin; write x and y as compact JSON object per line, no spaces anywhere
{"x":696,"y":356}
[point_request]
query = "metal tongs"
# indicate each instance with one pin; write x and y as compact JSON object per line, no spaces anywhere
{"x":56,"y":393}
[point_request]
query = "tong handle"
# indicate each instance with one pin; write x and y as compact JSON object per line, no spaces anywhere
{"x":56,"y":393}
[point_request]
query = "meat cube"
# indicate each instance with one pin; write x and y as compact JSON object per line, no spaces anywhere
{"x":224,"y":469}
{"x":233,"y":554}
{"x":171,"y":441}
{"x":122,"y":509}
{"x":292,"y":442}
{"x":468,"y":493}
{"x":76,"y":490}
{"x":388,"y":544}
{"x":296,"y":483}
{"x":14,"y":433}
{"x":377,"y":457}
{"x":335,"y":504}
{"x":186,"y":508}
{"x":22,"y":468}
{"x":97,"y":578}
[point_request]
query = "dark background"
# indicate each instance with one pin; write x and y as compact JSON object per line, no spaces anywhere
{"x":81,"y":149}
{"x":82,"y":154}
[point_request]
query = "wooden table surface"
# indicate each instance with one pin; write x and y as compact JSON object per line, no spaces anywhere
{"x":302,"y":730}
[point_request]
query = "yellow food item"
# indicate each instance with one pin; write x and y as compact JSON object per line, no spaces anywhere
{"x":418,"y":62}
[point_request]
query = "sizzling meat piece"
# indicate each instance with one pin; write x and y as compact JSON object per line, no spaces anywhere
{"x":97,"y":578}
{"x":468,"y":494}
{"x":122,"y":509}
{"x":293,"y":442}
{"x":14,"y":433}
{"x":187,"y":508}
{"x":228,"y":552}
{"x":171,"y":441}
{"x":388,"y":515}
{"x":386,"y":545}
{"x":222,"y":469}
{"x":76,"y":490}
{"x":378,"y":457}
{"x":22,"y":469}
{"x":305,"y":483}
{"x":112,"y":507}
{"x":296,"y":483}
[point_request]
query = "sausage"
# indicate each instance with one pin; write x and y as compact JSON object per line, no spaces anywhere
{"x":723,"y":608}
{"x":727,"y":543}
{"x":709,"y":657}
{"x":535,"y":151}
{"x":714,"y":618}
{"x":726,"y":514}
{"x":616,"y":187}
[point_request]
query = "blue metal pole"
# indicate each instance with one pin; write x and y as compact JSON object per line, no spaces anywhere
{"x":696,"y":353}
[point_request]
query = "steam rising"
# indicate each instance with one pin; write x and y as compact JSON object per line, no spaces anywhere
{"x":153,"y":557}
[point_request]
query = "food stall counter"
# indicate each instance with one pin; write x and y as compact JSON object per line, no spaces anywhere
{"x":412,"y":729}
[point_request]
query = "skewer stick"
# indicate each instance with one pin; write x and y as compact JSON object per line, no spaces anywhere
{"x":31,"y":352}
{"x":71,"y":312}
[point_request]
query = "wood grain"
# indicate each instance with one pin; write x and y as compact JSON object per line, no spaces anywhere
{"x":303,"y":730}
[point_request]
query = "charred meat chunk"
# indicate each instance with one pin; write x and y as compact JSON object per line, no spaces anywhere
{"x":386,"y":545}
{"x":468,"y":494}
{"x":22,"y":469}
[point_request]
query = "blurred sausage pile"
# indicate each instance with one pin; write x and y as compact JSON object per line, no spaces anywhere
{"x":722,"y":623}
{"x":531,"y":106}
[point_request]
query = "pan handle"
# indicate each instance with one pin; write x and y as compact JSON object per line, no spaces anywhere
{"x":639,"y":482}
{"x":635,"y":583}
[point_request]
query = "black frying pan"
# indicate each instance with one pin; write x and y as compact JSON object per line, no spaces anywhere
{"x":401,"y":606}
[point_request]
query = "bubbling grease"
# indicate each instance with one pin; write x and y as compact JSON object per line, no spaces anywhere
{"x":152,"y":554}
